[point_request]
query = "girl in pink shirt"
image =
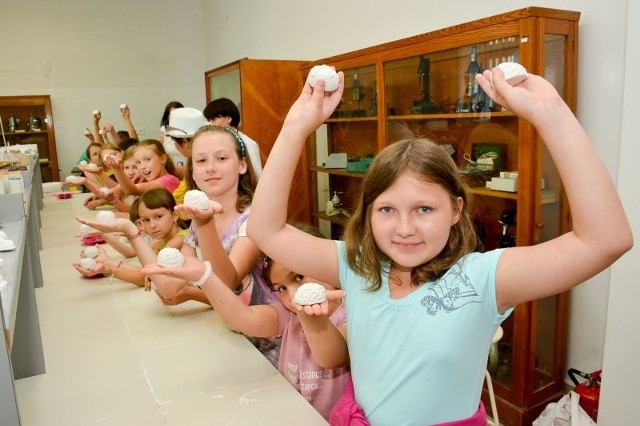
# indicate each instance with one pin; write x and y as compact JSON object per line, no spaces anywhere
{"x":320,"y":386}
{"x":155,"y":169}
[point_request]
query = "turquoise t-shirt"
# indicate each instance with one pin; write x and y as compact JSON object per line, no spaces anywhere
{"x":421,"y":359}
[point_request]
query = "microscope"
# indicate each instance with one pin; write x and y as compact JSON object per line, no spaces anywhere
{"x":425,"y":105}
{"x":479,"y":101}
{"x":507,"y":219}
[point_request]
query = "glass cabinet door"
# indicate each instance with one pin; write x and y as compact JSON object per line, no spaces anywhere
{"x":225,"y":83}
{"x":550,"y":222}
{"x":343,"y":148}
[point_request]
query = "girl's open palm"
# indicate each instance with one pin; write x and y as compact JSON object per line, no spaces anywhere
{"x":192,"y":270}
{"x":118,"y":225}
{"x":200,"y":216}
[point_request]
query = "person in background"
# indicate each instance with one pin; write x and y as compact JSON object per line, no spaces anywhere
{"x":320,"y":386}
{"x":176,"y":155}
{"x":183,"y":124}
{"x":422,"y":305}
{"x":224,"y":112}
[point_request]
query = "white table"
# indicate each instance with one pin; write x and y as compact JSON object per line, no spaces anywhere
{"x":21,"y":351}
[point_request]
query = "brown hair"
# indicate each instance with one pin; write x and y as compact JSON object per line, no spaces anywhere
{"x":158,"y":198}
{"x":431,"y":163}
{"x":157,"y":147}
{"x":246,"y":183}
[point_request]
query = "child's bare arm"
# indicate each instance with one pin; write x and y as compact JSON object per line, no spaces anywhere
{"x":267,"y":222}
{"x":327,"y":342}
{"x":601,"y":232}
{"x":257,"y":320}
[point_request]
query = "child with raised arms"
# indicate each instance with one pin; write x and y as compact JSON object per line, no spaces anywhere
{"x":422,"y":306}
{"x":155,"y":169}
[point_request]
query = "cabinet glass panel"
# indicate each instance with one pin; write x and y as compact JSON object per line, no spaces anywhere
{"x":226,"y":85}
{"x":551,"y":225}
{"x":344,"y":147}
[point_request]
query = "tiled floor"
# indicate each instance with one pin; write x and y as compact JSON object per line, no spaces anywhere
{"x":116,"y":356}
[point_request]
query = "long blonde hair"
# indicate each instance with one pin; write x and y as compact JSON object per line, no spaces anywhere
{"x":431,"y":163}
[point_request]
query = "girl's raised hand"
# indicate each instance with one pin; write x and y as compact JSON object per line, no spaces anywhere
{"x":313,"y":106}
{"x":534,"y":99}
{"x":192,"y":270}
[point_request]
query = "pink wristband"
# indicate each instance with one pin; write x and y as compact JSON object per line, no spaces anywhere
{"x":205,"y":276}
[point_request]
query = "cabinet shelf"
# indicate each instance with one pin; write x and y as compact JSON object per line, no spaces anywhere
{"x":32,"y":117}
{"x":548,"y":195}
{"x":337,"y":172}
{"x":351,"y":119}
{"x":26,"y":132}
{"x":457,"y":116}
{"x":339,"y":219}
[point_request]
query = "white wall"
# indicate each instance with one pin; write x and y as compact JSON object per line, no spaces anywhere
{"x":91,"y":54}
{"x":620,"y":390}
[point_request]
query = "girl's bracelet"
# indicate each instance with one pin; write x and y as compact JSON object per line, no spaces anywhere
{"x":205,"y":276}
{"x":136,"y":235}
{"x":113,"y":271}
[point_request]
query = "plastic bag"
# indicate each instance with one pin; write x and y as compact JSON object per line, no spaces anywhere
{"x":565,"y":412}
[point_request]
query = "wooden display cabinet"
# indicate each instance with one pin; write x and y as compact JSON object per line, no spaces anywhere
{"x":29,"y":120}
{"x":263,"y":90}
{"x":424,"y":86}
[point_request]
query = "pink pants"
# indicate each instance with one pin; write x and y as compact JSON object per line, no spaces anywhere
{"x":347,"y":412}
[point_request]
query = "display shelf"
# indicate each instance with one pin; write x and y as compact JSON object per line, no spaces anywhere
{"x":28,"y":120}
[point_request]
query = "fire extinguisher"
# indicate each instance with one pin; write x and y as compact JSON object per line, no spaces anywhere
{"x":589,"y":391}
